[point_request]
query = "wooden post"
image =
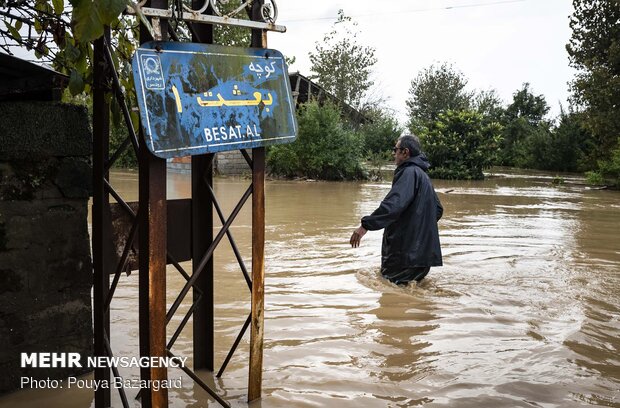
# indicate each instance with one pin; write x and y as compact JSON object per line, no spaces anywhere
{"x":257,"y":328}
{"x":152,"y":258}
{"x":101,"y":224}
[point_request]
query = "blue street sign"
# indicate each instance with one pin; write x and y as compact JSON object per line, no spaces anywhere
{"x":205,"y":98}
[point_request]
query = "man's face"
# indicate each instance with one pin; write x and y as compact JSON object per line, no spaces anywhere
{"x":400,"y":154}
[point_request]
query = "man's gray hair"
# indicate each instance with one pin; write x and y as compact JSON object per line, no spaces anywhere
{"x":412,"y":143}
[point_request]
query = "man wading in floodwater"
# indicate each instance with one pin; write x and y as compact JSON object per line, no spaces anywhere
{"x":409,"y":214}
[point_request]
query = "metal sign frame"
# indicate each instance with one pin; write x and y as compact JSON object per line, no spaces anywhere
{"x":149,"y":223}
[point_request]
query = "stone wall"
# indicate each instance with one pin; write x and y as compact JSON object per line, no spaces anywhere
{"x":232,"y":163}
{"x":45,"y":262}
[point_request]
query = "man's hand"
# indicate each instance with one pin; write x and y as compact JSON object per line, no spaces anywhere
{"x":357,"y":236}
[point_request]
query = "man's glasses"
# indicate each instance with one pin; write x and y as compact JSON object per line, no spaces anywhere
{"x":397,"y":148}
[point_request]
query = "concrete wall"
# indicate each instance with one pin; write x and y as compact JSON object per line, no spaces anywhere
{"x":45,"y":262}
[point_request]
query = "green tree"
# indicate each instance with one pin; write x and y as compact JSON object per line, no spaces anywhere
{"x":522,"y":119}
{"x":611,"y":167}
{"x":435,"y":90}
{"x":231,"y":35}
{"x":594,"y":50}
{"x":489,"y":105}
{"x":379,"y":132}
{"x":325,"y":148}
{"x":571,"y":145}
{"x":341,"y":65}
{"x":525,"y":104}
{"x":460,"y":145}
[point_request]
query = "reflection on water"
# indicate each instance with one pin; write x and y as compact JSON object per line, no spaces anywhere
{"x":524,"y":312}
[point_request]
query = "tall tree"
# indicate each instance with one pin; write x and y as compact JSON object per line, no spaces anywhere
{"x":341,"y":65}
{"x":594,"y":50}
{"x":523,"y":122}
{"x":489,"y":105}
{"x":434,"y":90}
{"x":525,"y":104}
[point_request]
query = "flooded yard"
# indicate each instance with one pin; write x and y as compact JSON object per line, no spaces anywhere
{"x":525,"y":311}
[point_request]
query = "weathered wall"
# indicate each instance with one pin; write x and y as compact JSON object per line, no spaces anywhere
{"x":45,"y":263}
{"x":232,"y":163}
{"x":229,"y":163}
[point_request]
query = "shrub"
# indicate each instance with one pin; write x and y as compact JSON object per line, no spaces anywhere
{"x":379,"y":134}
{"x":325,"y":148}
{"x":595,"y":178}
{"x":460,"y":144}
{"x":610,"y":169}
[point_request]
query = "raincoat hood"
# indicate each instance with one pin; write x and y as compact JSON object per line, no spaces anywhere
{"x":420,"y":160}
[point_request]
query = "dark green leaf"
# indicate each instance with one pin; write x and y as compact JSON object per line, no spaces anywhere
{"x":111,"y":9}
{"x":14,"y":33}
{"x":88,"y":22}
{"x":72,"y":52}
{"x":59,"y":6}
{"x":76,"y":83}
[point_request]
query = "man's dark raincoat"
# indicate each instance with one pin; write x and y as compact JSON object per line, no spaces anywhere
{"x":409,"y":214}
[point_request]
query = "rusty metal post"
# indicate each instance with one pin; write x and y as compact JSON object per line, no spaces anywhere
{"x":258,"y":274}
{"x":152,"y":260}
{"x":202,"y":237}
{"x":100,"y":228}
{"x":152,"y":278}
{"x":255,"y":380}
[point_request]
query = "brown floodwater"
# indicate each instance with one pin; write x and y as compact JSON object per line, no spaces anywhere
{"x":524,"y":312}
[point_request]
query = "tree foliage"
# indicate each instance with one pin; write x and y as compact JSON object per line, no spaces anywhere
{"x":325,"y":148}
{"x":568,"y":146}
{"x":528,"y":106}
{"x":523,"y":120}
{"x":594,"y":50}
{"x":61,"y":33}
{"x":489,"y":105}
{"x":341,"y":65}
{"x":379,"y":133}
{"x":435,"y":90}
{"x":231,"y":35}
{"x":460,"y":145}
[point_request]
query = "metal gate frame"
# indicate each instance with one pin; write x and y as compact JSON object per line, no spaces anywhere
{"x":149,"y":223}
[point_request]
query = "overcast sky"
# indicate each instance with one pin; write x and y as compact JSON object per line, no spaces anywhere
{"x":496,"y":44}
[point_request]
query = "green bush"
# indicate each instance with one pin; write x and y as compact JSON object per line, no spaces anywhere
{"x":561,"y":148}
{"x":379,"y":133}
{"x":595,"y":178}
{"x":460,"y":144}
{"x":610,"y":169}
{"x":325,"y":148}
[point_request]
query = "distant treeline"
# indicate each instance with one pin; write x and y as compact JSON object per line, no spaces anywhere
{"x":464,"y":132}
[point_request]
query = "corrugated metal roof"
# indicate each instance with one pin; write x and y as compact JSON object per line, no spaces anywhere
{"x":304,"y":90}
